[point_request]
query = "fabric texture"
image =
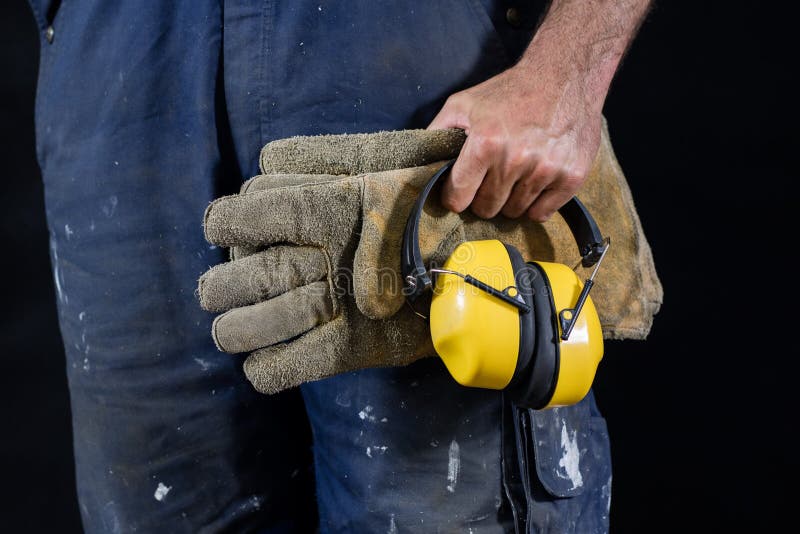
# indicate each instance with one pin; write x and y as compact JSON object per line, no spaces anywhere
{"x":335,"y":296}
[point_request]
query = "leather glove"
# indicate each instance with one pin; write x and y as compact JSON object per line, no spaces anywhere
{"x":313,"y":288}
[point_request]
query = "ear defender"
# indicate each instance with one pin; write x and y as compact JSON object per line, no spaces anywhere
{"x":499,"y":322}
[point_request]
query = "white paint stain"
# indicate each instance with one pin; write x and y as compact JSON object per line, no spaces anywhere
{"x":161,"y":491}
{"x":606,"y":493}
{"x":434,"y":443}
{"x":111,"y":206}
{"x":82,"y":316}
{"x":68,"y":231}
{"x":453,"y":466}
{"x":366,"y":414}
{"x":571,"y":460}
{"x":385,"y":420}
{"x":376,"y":449}
{"x":204,"y":365}
{"x":86,"y":365}
{"x":62,"y":297}
{"x":392,"y":525}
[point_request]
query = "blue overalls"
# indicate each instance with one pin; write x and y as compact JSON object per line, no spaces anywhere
{"x":148,"y":110}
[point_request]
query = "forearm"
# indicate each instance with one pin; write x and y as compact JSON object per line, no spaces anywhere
{"x":583,"y":42}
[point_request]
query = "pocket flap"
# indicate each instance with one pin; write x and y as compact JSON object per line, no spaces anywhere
{"x":561,"y":440}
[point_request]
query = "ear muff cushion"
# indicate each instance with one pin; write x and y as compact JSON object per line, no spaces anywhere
{"x":533,"y":383}
{"x":527,"y":328}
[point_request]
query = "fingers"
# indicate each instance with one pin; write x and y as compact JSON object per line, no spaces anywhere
{"x":300,"y":215}
{"x":522,"y":196}
{"x":471,"y":166}
{"x":466,"y":176}
{"x":542,"y":172}
{"x":548,"y":203}
{"x":312,"y":356}
{"x":273,"y":321}
{"x":260,"y":276}
{"x":272,"y":181}
{"x":352,"y":154}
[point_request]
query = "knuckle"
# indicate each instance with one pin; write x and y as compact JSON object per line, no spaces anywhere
{"x":481,"y":210}
{"x":454,"y":101}
{"x":486,"y":144}
{"x":488,"y":195}
{"x":538,"y":216}
{"x":452,"y":201}
{"x":530,"y":185}
{"x":547,"y":168}
{"x":521,"y":156}
{"x":573,"y":179}
{"x":512,"y":210}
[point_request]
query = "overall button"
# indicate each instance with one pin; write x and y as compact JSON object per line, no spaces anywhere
{"x":513,"y":17}
{"x":49,"y":33}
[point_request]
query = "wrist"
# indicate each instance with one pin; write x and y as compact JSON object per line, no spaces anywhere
{"x":570,"y":72}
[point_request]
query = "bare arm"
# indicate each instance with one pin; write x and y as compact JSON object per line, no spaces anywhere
{"x":533,"y":130}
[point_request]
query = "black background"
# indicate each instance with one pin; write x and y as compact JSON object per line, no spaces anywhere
{"x":700,"y":414}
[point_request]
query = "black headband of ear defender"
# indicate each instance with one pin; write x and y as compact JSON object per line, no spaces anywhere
{"x":591,"y":244}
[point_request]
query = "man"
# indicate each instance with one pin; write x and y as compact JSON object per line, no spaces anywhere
{"x":147,"y":112}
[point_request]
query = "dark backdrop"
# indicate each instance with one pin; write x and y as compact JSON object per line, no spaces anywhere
{"x":699,"y":414}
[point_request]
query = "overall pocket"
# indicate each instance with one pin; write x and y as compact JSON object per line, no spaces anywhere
{"x":563,"y":469}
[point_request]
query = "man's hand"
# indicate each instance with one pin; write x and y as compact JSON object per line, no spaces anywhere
{"x":533,"y":130}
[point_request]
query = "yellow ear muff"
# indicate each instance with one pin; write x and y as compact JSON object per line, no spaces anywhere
{"x":479,"y":337}
{"x":475,"y":334}
{"x":579,"y":355}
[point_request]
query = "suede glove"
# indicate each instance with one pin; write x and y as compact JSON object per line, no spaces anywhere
{"x":313,"y":288}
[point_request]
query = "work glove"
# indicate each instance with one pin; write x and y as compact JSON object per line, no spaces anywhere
{"x":313,"y":288}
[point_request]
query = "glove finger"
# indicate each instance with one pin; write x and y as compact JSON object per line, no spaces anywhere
{"x":263,"y":182}
{"x":351,"y":154}
{"x":272,"y":181}
{"x":308,"y":215}
{"x":259,"y":277}
{"x":273,"y":321}
{"x":386,"y":208}
{"x":313,"y":356}
{"x":340,"y":346}
{"x":237,"y":253}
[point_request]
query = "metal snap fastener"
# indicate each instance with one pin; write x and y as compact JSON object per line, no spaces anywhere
{"x":49,"y":33}
{"x":513,"y":17}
